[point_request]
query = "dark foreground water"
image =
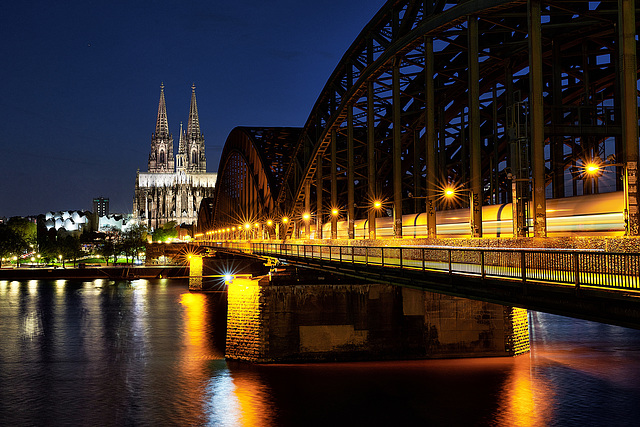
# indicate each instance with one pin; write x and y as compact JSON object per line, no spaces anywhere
{"x":151,"y":353}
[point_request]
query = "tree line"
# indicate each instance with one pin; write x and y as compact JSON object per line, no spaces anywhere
{"x":20,"y":237}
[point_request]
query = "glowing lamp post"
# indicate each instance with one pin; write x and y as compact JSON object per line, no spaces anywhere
{"x":377,"y":206}
{"x":596,"y":168}
{"x":451,"y":192}
{"x":307,"y":225}
{"x":335,"y":212}
{"x":283,"y":231}
{"x":269,"y":225}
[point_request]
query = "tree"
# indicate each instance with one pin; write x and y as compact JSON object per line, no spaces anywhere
{"x":167,"y":231}
{"x":71,"y":248}
{"x":26,"y":230}
{"x":133,"y":240}
{"x":10,"y":242}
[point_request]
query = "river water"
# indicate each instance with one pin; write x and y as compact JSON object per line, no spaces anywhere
{"x":151,"y":353}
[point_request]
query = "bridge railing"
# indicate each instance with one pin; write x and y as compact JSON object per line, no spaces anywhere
{"x":569,"y":267}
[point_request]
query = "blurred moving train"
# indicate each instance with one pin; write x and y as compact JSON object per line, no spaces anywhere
{"x":592,"y":215}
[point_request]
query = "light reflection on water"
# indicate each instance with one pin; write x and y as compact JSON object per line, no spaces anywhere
{"x":151,"y":353}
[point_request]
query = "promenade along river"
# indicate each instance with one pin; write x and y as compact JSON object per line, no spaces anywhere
{"x":151,"y":353}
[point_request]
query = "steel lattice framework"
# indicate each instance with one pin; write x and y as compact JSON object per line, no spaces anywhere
{"x":504,"y":98}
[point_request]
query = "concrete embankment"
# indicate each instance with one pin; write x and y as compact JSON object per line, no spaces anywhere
{"x":117,"y":272}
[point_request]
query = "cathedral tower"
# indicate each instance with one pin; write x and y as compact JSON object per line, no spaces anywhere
{"x":197,"y":161}
{"x":173,"y":190}
{"x":161,"y":155}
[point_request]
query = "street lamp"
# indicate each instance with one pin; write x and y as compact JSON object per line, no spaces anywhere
{"x":451,"y":192}
{"x":377,"y":206}
{"x":596,"y":167}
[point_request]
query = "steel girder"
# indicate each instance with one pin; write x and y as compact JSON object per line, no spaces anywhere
{"x":381,"y":81}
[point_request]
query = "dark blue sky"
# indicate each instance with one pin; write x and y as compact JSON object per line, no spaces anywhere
{"x":80,"y":82}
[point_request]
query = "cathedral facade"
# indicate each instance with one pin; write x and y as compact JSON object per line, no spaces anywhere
{"x":173,"y":186}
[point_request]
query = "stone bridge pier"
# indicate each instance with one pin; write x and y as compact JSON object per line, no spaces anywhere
{"x":297,"y":315}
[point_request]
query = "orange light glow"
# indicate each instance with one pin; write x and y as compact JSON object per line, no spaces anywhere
{"x":306,"y":216}
{"x":269,"y":222}
{"x":592,"y":168}
{"x":377,"y":204}
{"x":247,"y":225}
{"x":449,"y":192}
{"x":285,"y":220}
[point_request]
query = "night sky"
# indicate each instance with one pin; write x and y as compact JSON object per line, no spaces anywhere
{"x":81,"y":83}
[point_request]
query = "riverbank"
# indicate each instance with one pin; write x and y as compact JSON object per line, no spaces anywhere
{"x":111,"y":272}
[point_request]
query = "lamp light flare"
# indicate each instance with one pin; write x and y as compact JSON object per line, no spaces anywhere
{"x":592,"y":168}
{"x":377,"y":204}
{"x":269,"y":222}
{"x":285,"y":220}
{"x":306,"y":216}
{"x":334,"y":212}
{"x":449,"y":192}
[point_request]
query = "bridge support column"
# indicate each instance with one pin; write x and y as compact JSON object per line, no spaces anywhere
{"x":334,"y":184}
{"x":319,"y":198}
{"x":475,"y":184}
{"x":306,"y":216}
{"x":430,"y":139}
{"x":536,"y":109}
{"x":629,"y":77}
{"x":397,"y":152}
{"x":350,"y":174}
{"x":195,"y":272}
{"x":371,"y":162}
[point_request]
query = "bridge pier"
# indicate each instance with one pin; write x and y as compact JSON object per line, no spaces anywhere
{"x":294,"y":317}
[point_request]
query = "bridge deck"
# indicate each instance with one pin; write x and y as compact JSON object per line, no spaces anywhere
{"x":593,"y":285}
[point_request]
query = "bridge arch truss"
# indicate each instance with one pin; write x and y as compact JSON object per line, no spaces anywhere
{"x":506,"y":99}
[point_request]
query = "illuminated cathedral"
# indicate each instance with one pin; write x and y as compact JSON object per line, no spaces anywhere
{"x":173,"y":186}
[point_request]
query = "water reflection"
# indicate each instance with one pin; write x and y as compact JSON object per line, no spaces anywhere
{"x":151,"y":353}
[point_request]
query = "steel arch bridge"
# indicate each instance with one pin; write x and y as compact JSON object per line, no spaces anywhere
{"x":507,"y":100}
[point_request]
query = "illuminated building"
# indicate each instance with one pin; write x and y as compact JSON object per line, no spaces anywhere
{"x":71,"y":221}
{"x":101,"y":206}
{"x":173,"y":186}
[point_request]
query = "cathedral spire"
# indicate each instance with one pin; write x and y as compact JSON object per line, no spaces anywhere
{"x":195,"y":155}
{"x":181,"y":158}
{"x":193,"y":126}
{"x":161,"y":155}
{"x":162,"y":125}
